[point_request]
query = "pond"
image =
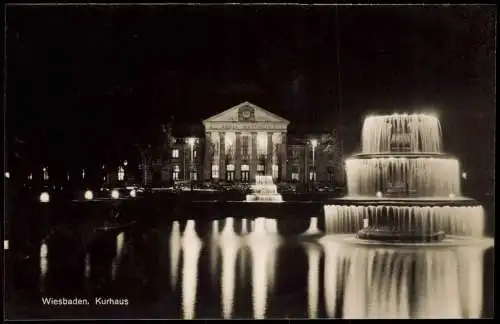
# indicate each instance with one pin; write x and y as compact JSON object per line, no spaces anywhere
{"x":243,"y":271}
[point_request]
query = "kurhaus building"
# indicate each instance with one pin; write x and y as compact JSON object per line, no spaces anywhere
{"x":244,"y":141}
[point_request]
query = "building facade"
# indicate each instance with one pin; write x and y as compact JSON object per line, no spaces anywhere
{"x":244,"y":141}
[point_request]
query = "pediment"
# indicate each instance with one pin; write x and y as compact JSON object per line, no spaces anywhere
{"x":246,"y":112}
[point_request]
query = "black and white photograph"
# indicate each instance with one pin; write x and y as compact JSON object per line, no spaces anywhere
{"x":248,"y":161}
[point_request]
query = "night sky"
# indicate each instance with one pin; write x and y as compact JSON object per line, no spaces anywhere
{"x":84,"y":82}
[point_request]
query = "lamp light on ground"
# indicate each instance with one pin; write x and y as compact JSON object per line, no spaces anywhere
{"x":88,"y":195}
{"x":7,"y":175}
{"x":115,"y":194}
{"x":44,"y":197}
{"x":464,"y":175}
{"x":133,"y":193}
{"x":379,"y":194}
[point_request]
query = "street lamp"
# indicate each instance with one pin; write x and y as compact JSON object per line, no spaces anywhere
{"x":191,"y":141}
{"x":314,"y":144}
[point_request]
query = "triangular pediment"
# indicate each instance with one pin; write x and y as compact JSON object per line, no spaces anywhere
{"x":246,"y":112}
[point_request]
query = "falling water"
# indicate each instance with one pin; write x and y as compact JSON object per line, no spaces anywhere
{"x":175,"y":250}
{"x":264,"y":190}
{"x":454,"y":220}
{"x":259,"y":226}
{"x":191,"y":247}
{"x":422,"y":133}
{"x":404,"y":283}
{"x":424,"y":177}
{"x":214,"y":251}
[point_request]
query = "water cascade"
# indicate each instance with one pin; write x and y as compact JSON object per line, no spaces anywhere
{"x":264,"y":190}
{"x":402,"y":188}
{"x":175,"y":251}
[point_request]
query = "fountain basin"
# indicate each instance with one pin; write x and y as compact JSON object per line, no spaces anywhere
{"x":449,"y":242}
{"x":396,"y":235}
{"x":404,"y":201}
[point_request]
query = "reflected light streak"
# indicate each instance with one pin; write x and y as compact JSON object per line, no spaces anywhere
{"x":191,"y":247}
{"x":44,"y":264}
{"x":88,"y":266}
{"x":175,"y":251}
{"x":229,"y":246}
{"x":263,"y":268}
{"x":214,"y":251}
{"x":313,"y":252}
{"x":120,"y":239}
{"x":244,"y":229}
{"x":332,"y":272}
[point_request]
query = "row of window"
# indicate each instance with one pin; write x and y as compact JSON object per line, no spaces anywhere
{"x":175,"y":153}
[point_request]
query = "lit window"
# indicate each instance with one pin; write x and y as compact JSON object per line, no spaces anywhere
{"x":260,"y":167}
{"x":295,"y":176}
{"x":230,"y":167}
{"x":193,"y":176}
{"x":245,"y":167}
{"x":121,"y":173}
{"x":215,"y":171}
{"x":312,"y":176}
{"x":175,"y":153}
{"x":177,"y":171}
{"x":275,"y":171}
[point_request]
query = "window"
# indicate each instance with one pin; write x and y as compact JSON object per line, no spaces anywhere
{"x":260,"y":169}
{"x":312,"y":176}
{"x":275,"y":171}
{"x":121,"y":174}
{"x":295,"y":176}
{"x":193,"y":176}
{"x":230,"y":172}
{"x":245,"y":172}
{"x":230,"y":167}
{"x":244,"y":146}
{"x":175,"y":153}
{"x":177,"y":171}
{"x":194,"y":154}
{"x":215,"y":171}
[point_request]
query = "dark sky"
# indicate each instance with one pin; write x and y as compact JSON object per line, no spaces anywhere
{"x":89,"y":80}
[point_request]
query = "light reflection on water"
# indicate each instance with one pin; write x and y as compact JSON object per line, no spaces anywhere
{"x":341,"y":281}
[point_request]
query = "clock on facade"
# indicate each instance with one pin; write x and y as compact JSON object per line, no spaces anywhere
{"x":246,"y":114}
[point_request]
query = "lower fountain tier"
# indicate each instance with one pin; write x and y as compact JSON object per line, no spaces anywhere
{"x":259,"y":197}
{"x":391,"y":234}
{"x":421,"y":175}
{"x":454,"y":217}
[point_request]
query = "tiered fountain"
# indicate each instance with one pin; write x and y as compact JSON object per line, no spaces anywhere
{"x":402,"y":188}
{"x":264,"y":190}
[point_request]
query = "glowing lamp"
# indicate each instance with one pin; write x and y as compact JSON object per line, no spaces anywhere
{"x":115,"y":194}
{"x":133,"y":194}
{"x":44,"y":197}
{"x":379,"y":194}
{"x":464,"y":175}
{"x":88,"y":195}
{"x":314,"y":142}
{"x":7,"y":175}
{"x":6,"y":244}
{"x":125,"y":163}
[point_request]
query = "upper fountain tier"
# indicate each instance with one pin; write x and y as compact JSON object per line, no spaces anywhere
{"x":401,"y":133}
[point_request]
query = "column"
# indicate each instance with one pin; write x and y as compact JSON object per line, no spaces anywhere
{"x":306,"y":161}
{"x":253,"y":158}
{"x":237,"y":157}
{"x":269,"y":161}
{"x":222,"y":156}
{"x":283,"y":157}
{"x":207,"y":160}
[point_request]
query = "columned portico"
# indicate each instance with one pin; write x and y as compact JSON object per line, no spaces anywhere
{"x":246,"y":140}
